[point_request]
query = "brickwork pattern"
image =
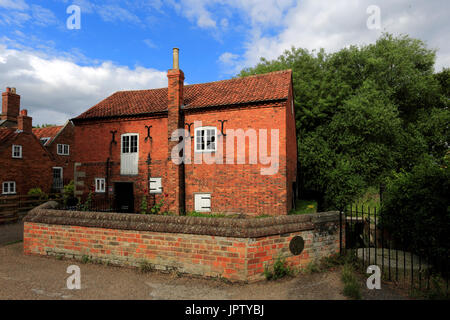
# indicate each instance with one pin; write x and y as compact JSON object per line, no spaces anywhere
{"x":235,"y":258}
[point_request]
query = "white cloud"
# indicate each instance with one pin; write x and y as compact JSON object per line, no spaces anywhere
{"x":206,"y":13}
{"x":196,"y":11}
{"x":111,"y":13}
{"x":54,"y":89}
{"x":20,"y":13}
{"x":149,"y":43}
{"x":332,"y":25}
{"x":13,"y":4}
{"x":14,"y":18}
{"x":42,"y":16}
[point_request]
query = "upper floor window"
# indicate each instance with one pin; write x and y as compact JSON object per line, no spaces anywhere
{"x":63,"y":149}
{"x":205,"y":139}
{"x":129,"y":143}
{"x":16,"y":151}
{"x":44,"y":140}
{"x":100,"y":185}
{"x":9,"y":187}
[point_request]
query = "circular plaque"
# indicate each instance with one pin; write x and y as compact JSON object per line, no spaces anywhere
{"x":296,"y":245}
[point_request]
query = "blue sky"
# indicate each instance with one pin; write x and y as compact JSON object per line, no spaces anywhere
{"x":127,"y":44}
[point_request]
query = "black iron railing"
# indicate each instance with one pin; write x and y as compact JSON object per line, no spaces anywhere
{"x":367,"y":240}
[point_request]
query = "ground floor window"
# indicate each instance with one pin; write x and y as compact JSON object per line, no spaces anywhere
{"x":202,"y":202}
{"x":100,"y":185}
{"x":57,"y":184}
{"x":155,"y":185}
{"x":9,"y":187}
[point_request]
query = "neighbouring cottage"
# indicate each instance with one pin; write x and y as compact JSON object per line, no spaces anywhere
{"x":24,"y":162}
{"x":222,"y":147}
{"x":32,"y":157}
{"x":58,"y":140}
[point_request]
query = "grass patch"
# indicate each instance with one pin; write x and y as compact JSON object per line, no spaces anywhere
{"x":312,"y":267}
{"x":304,"y":207}
{"x":207,"y":215}
{"x":85,"y":259}
{"x":437,"y":290}
{"x":145,"y":267}
{"x":279,"y":270}
{"x":352,"y":288}
{"x":370,"y":200}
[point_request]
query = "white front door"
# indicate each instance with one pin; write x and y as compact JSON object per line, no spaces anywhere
{"x":129,"y":154}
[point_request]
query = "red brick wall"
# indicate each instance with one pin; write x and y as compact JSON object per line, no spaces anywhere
{"x":241,"y":187}
{"x":234,"y":188}
{"x":32,"y":171}
{"x":228,"y":257}
{"x":66,"y":136}
{"x":93,"y":145}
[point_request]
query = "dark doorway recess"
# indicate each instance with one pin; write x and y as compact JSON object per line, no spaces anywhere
{"x":124,"y":195}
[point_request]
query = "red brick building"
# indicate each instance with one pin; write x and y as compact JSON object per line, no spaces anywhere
{"x":24,"y":162}
{"x":126,"y":146}
{"x":58,"y":140}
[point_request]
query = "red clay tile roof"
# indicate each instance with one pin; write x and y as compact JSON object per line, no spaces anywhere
{"x":257,"y":88}
{"x":7,"y":134}
{"x":48,"y":132}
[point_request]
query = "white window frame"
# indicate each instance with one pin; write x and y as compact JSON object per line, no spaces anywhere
{"x":196,"y":133}
{"x":9,"y":184}
{"x":129,"y":135}
{"x":157,"y":185}
{"x":100,"y":185}
{"x":63,"y":151}
{"x":202,"y":194}
{"x":44,"y":140}
{"x":20,"y":151}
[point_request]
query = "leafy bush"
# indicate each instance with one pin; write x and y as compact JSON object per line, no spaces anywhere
{"x":280,"y":269}
{"x":144,"y":205}
{"x":157,"y":207}
{"x":87,"y":205}
{"x":38,"y":192}
{"x":69,"y":198}
{"x":416,"y":208}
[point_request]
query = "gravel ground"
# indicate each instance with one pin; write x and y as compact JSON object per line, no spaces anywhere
{"x":34,"y":277}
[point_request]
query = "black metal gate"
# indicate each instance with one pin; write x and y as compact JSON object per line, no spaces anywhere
{"x":365,"y":238}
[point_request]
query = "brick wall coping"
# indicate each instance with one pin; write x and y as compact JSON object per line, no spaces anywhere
{"x":224,"y":227}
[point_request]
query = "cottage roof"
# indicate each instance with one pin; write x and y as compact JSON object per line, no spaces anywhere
{"x":47,"y":132}
{"x":7,"y":134}
{"x":239,"y":91}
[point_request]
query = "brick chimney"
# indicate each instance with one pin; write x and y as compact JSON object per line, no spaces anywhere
{"x":24,"y":122}
{"x":175,"y":120}
{"x":10,"y":105}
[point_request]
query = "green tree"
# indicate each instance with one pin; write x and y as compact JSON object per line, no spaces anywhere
{"x":363,"y":112}
{"x":416,"y":209}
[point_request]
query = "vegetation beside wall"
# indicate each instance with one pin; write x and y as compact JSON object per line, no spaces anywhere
{"x":416,"y":208}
